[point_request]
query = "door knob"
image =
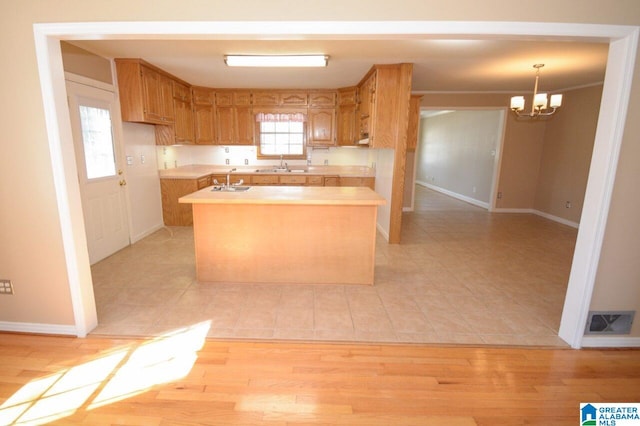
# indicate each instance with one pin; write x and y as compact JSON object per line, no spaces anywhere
{"x":123,"y":182}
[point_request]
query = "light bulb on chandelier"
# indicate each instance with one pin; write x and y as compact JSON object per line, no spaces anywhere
{"x":541,"y":106}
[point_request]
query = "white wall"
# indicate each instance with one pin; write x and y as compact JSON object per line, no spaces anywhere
{"x":143,"y":183}
{"x":457,"y":152}
{"x":384,"y":185}
{"x":182,"y":155}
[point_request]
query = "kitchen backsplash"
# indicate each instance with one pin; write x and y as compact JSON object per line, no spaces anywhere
{"x":174,"y":156}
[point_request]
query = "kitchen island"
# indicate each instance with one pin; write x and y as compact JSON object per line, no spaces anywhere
{"x":286,"y":235}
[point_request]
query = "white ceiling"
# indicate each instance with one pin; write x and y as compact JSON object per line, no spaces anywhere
{"x":451,"y":65}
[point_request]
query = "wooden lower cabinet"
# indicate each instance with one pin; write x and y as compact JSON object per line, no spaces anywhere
{"x":358,"y":181}
{"x":174,"y":213}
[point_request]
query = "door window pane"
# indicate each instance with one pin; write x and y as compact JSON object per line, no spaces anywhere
{"x":97,"y":139}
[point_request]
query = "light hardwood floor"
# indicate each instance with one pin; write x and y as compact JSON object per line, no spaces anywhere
{"x":461,"y":275}
{"x":183,"y":379}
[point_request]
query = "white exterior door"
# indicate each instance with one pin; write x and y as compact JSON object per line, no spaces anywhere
{"x":100,"y":174}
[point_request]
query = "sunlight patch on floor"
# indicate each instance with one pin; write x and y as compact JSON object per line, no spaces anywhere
{"x":118,"y":375}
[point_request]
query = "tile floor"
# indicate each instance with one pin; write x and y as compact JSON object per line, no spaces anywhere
{"x":461,"y":275}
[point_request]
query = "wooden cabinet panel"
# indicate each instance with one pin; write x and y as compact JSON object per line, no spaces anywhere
{"x":293,"y":98}
{"x":358,"y":181}
{"x":242,"y":98}
{"x":226,"y":122}
{"x":204,"y":127}
{"x":184,"y":131}
{"x":331,"y":180}
{"x":293,"y":180}
{"x":266,"y":98}
{"x":245,"y":125}
{"x":181,"y":91}
{"x":204,"y":116}
{"x":151,"y":93}
{"x":204,"y":181}
{"x":347,"y":133}
{"x":322,"y":127}
{"x":348,"y":96}
{"x":174,"y":213}
{"x":203,"y":96}
{"x":414,"y":122}
{"x":322,"y":99}
{"x":315,"y":180}
{"x":224,"y":98}
{"x":264,"y":180}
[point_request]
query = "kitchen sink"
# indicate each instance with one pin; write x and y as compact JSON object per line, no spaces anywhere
{"x":231,"y":188}
{"x":277,"y":170}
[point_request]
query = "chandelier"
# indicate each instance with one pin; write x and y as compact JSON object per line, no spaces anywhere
{"x":541,"y":106}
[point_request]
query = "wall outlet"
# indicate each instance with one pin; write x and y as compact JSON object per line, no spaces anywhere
{"x":473,"y":190}
{"x":568,"y":205}
{"x":142,"y":159}
{"x":246,"y":161}
{"x":6,"y":287}
{"x":226,"y":161}
{"x":326,"y":162}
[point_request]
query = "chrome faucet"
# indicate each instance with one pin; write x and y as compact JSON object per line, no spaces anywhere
{"x":228,"y":178}
{"x":281,"y":157}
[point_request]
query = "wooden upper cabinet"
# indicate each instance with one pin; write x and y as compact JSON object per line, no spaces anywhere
{"x":347,"y":131}
{"x":384,"y":104}
{"x":322,"y":99}
{"x":414,"y":122}
{"x":348,"y":96}
{"x":183,"y":123}
{"x":245,"y":125}
{"x":322,"y":124}
{"x":242,"y":97}
{"x":226,"y":121}
{"x":224,"y":98}
{"x":267,"y":98}
{"x":291,"y":98}
{"x":146,"y":93}
{"x":279,"y":98}
{"x":204,"y":115}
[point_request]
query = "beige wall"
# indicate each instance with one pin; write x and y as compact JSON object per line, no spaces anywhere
{"x":81,"y":62}
{"x":522,"y":149}
{"x":457,"y":151}
{"x":32,"y":252}
{"x":566,"y":154}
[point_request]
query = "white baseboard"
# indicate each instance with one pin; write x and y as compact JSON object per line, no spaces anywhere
{"x":455,"y":195}
{"x":610,"y":342}
{"x":507,"y":210}
{"x":384,"y":232}
{"x":28,"y":327}
{"x":557,"y":219}
{"x":136,"y":238}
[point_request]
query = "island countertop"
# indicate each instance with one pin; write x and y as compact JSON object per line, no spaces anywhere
{"x":294,"y":195}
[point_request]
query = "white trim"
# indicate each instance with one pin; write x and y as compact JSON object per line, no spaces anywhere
{"x":381,"y":230}
{"x":610,"y":342}
{"x":31,"y":327}
{"x":138,"y":237}
{"x":513,"y":210}
{"x":557,"y":219}
{"x":80,"y":79}
{"x":407,"y":209}
{"x":616,"y":91}
{"x":604,"y":162}
{"x":455,"y":195}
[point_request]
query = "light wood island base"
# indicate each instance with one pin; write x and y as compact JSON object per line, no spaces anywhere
{"x":286,"y":235}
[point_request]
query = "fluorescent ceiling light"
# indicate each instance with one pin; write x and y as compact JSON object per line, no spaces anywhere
{"x":276,"y":60}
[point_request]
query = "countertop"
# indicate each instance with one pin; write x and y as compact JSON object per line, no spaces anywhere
{"x":197,"y":171}
{"x":300,"y":195}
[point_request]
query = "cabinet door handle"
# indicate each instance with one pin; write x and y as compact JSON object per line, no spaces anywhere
{"x":123,"y":182}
